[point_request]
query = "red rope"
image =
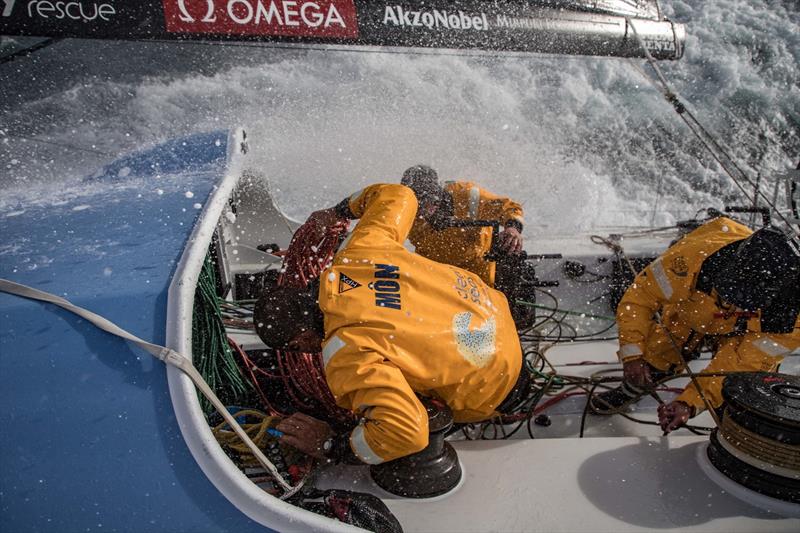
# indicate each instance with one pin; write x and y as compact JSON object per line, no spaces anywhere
{"x":293,"y":371}
{"x":254,"y":369}
{"x":307,"y":376}
{"x":306,"y":259}
{"x":303,"y":374}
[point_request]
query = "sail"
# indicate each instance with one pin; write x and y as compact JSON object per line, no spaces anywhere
{"x":573,"y":27}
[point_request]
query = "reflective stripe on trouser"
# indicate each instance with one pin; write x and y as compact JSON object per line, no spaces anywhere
{"x":361,"y":448}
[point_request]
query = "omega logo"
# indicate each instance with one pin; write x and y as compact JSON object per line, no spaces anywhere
{"x":186,"y":17}
{"x":291,"y":18}
{"x":279,"y":12}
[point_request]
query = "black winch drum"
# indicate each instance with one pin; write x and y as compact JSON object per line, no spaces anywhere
{"x":430,"y":473}
{"x":758,"y":442}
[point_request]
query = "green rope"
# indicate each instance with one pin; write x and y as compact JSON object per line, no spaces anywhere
{"x":565,"y":311}
{"x":553,"y":379}
{"x":211,"y":353}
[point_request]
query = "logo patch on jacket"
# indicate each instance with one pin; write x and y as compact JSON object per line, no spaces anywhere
{"x":679,"y":266}
{"x":477,"y":345}
{"x":386,"y":286}
{"x":347,"y":284}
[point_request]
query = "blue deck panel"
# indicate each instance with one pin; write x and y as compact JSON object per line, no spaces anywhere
{"x":89,"y":440}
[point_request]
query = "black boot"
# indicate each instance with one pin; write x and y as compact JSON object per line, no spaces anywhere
{"x":614,"y":400}
{"x":611,"y":401}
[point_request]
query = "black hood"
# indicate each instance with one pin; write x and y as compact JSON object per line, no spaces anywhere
{"x":760,"y":273}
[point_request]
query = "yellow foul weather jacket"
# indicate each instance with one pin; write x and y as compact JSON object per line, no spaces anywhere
{"x":691,"y":316}
{"x":466,"y":247}
{"x":397,"y":323}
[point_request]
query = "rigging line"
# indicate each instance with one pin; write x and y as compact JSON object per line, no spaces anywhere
{"x":28,"y":51}
{"x":658,"y":198}
{"x":757,"y":188}
{"x":61,"y":145}
{"x":694,"y":126}
{"x":673,"y":98}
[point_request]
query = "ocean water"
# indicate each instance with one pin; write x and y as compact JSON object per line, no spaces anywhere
{"x":583,"y":143}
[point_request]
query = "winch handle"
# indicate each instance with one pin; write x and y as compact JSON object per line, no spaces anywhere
{"x":494,"y":253}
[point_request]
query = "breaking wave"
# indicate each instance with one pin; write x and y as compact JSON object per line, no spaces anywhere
{"x":583,"y":142}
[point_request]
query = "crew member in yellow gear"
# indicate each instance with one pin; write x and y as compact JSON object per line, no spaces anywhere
{"x":392,"y":324}
{"x":435,"y":236}
{"x":465,"y":247}
{"x":432,"y":233}
{"x":721,"y":286}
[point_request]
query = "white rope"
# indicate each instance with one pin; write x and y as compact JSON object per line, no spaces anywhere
{"x":163,"y":353}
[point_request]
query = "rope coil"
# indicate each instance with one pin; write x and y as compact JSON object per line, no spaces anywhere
{"x":762,"y":448}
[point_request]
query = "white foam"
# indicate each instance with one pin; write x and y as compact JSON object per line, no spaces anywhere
{"x":581,"y":141}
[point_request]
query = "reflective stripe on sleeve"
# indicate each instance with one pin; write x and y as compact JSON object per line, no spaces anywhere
{"x":628,"y":350}
{"x":661,"y":278}
{"x":346,"y":241}
{"x":474,"y":202}
{"x":331,"y":347}
{"x":360,"y":447}
{"x":770,"y":347}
